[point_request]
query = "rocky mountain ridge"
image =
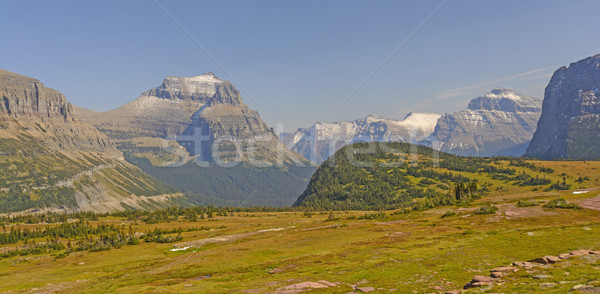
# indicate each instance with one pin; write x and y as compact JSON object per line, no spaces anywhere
{"x":196,"y":134}
{"x":51,"y":160}
{"x":159,"y":112}
{"x":228,"y":125}
{"x":501,"y":122}
{"x":569,"y":127}
{"x":322,"y":140}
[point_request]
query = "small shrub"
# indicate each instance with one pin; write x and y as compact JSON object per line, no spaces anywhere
{"x":527,"y":203}
{"x":371,"y":216}
{"x":561,"y":203}
{"x":486,"y":209}
{"x":331,"y":217}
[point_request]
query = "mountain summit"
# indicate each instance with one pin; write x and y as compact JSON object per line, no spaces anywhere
{"x":506,"y":100}
{"x":225,"y":129}
{"x":159,"y":112}
{"x":570,"y":124}
{"x":196,"y":88}
{"x":322,"y":140}
{"x":197,"y":134}
{"x":500,"y":122}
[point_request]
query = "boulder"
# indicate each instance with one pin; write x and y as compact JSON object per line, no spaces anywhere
{"x":580,"y":252}
{"x":564,"y":255}
{"x":365,"y":289}
{"x":524,"y":264}
{"x":479,"y":281}
{"x":303,"y":286}
{"x":505,"y":269}
{"x":540,"y":260}
{"x":540,"y":277}
{"x":330,"y":284}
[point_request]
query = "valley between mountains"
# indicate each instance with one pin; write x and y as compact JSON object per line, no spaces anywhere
{"x":187,"y":189}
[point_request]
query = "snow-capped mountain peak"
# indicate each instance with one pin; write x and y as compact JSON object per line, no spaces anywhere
{"x":200,"y":87}
{"x":318,"y":142}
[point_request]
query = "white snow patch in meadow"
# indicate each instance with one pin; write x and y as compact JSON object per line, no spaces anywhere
{"x":580,"y":192}
{"x":180,"y":249}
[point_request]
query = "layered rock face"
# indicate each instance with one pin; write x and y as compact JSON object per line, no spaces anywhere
{"x":322,"y":140}
{"x":24,"y":97}
{"x":196,"y":134}
{"x":51,"y":160}
{"x":159,"y":112}
{"x":47,"y":115}
{"x":197,"y":88}
{"x":501,"y":122}
{"x":569,"y":127}
{"x":225,"y":129}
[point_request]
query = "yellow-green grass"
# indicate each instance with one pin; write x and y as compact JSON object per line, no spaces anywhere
{"x":409,"y":252}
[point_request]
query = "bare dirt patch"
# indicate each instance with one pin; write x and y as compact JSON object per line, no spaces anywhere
{"x":591,"y":203}
{"x":511,"y":211}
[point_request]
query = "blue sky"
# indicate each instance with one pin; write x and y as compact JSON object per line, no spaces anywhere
{"x":296,"y":62}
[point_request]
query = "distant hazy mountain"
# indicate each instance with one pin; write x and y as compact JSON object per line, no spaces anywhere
{"x":196,"y":134}
{"x":570,"y":124}
{"x":322,"y":140}
{"x":501,"y":122}
{"x":50,"y":159}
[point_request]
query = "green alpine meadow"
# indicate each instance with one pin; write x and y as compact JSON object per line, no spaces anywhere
{"x":440,"y":146}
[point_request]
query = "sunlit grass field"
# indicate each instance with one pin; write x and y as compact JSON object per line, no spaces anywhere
{"x":409,"y":252}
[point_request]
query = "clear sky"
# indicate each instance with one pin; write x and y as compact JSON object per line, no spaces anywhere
{"x":296,"y":62}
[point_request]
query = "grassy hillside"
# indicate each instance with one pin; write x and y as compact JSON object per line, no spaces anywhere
{"x":394,"y":175}
{"x":38,"y":175}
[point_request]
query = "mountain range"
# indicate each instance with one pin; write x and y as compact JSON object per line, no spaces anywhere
{"x":50,"y":159}
{"x":322,"y":140}
{"x":196,"y":134}
{"x":501,"y":122}
{"x":193,"y":141}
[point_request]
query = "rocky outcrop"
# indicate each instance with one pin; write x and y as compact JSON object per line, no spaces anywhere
{"x":322,"y":140}
{"x":197,"y":88}
{"x":497,"y":274}
{"x":159,"y":112}
{"x":226,"y":129}
{"x":250,"y":166}
{"x":569,"y":127}
{"x":24,"y":97}
{"x":501,"y":122}
{"x":47,"y":115}
{"x":51,"y":160}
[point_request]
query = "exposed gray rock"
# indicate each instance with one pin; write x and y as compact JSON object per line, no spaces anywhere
{"x":569,"y":127}
{"x":322,"y":140}
{"x":35,"y":106}
{"x":226,"y":129}
{"x":159,"y":112}
{"x":501,"y":122}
